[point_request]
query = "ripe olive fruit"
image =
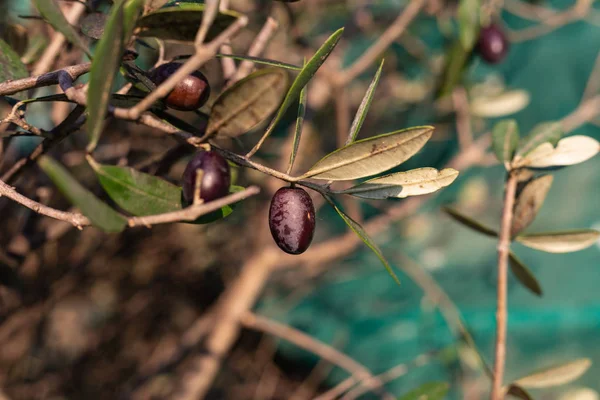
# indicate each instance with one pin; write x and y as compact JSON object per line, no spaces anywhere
{"x":215,"y":179}
{"x":292,"y":219}
{"x":189,"y":94}
{"x":492,"y":45}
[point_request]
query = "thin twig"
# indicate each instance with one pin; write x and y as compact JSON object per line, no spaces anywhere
{"x":47,"y":79}
{"x":501,"y":310}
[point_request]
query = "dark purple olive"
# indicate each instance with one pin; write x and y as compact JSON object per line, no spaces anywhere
{"x":492,"y":45}
{"x":292,"y":219}
{"x":189,"y":94}
{"x":215,"y":177}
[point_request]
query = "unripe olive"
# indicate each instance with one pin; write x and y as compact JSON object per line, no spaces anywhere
{"x":215,"y":179}
{"x":492,"y":45}
{"x":292,"y":219}
{"x":189,"y":94}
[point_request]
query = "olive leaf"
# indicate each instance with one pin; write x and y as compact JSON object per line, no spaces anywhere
{"x":469,"y":222}
{"x":550,"y":132}
{"x":569,"y":151}
{"x":403,"y":184}
{"x":51,"y":12}
{"x":247,"y":103}
{"x":468,"y":22}
{"x":92,"y":25}
{"x":499,"y":105}
{"x":263,"y":61}
{"x":560,"y":242}
{"x":180,"y":21}
{"x":524,"y":274}
{"x":518,"y":392}
{"x":303,"y":77}
{"x":299,"y":125}
{"x":505,"y":139}
{"x":555,"y":376}
{"x":104,"y":67}
{"x":371,"y":156}
{"x":100,"y":214}
{"x":456,"y":60}
{"x":362,"y":234}
{"x":136,"y":192}
{"x":11,"y":67}
{"x":363,"y":109}
{"x":529,"y":202}
{"x":428,"y":391}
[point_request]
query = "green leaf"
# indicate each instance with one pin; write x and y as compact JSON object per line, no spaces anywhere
{"x":556,"y":376}
{"x":11,"y":67}
{"x":363,"y":109}
{"x":98,"y":212}
{"x":455,"y":64}
{"x":104,"y":67}
{"x":505,"y":139}
{"x":560,"y":242}
{"x":550,"y":132}
{"x":92,"y":25}
{"x":469,"y":222}
{"x":51,"y":12}
{"x":223,"y":212}
{"x":181,"y":21}
{"x":518,"y":392}
{"x":263,"y":61}
{"x":132,"y":11}
{"x":468,"y":22}
{"x":524,"y":274}
{"x":569,"y":151}
{"x":529,"y":202}
{"x":247,"y":103}
{"x":136,"y":192}
{"x":428,"y":391}
{"x":403,"y":184}
{"x":371,"y":156}
{"x":499,"y":105}
{"x":303,"y":77}
{"x":299,"y":125}
{"x":362,"y":234}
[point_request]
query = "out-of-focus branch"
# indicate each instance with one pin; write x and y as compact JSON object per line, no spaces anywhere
{"x":256,"y":49}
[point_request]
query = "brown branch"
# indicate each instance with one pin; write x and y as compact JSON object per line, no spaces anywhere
{"x":501,"y":310}
{"x":47,"y":79}
{"x":357,"y":371}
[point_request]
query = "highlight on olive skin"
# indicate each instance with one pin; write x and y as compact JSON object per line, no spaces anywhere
{"x":189,"y":94}
{"x":215,"y":179}
{"x":493,"y":44}
{"x":292,"y":219}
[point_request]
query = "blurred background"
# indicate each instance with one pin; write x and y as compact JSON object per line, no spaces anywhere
{"x":88,"y":315}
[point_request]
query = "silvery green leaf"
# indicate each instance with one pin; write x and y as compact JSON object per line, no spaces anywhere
{"x":505,"y":139}
{"x":371,"y":156}
{"x":569,"y":151}
{"x":556,"y":376}
{"x":403,"y":184}
{"x":550,"y":132}
{"x":560,"y":242}
{"x":363,"y":109}
{"x":505,"y":103}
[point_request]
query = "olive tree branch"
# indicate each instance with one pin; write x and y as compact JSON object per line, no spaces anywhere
{"x":51,"y":78}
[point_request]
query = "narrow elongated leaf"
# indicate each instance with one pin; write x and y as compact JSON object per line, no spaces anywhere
{"x":505,"y":139}
{"x":303,"y":77}
{"x":180,"y":21}
{"x":550,"y":132}
{"x":104,"y":67}
{"x":402,"y":184}
{"x":11,"y":67}
{"x":428,"y":391}
{"x":529,"y":202}
{"x":51,"y":12}
{"x":263,"y":61}
{"x":371,"y":156}
{"x":500,"y":105}
{"x":247,"y":103}
{"x":299,"y":125}
{"x":98,"y":212}
{"x":556,"y":376}
{"x":455,"y":64}
{"x":518,"y":392}
{"x":362,"y":234}
{"x":468,"y":22}
{"x":469,"y":222}
{"x":363,"y":109}
{"x":569,"y":151}
{"x":524,"y":274}
{"x":132,"y":10}
{"x":560,"y":242}
{"x":137,"y":192}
